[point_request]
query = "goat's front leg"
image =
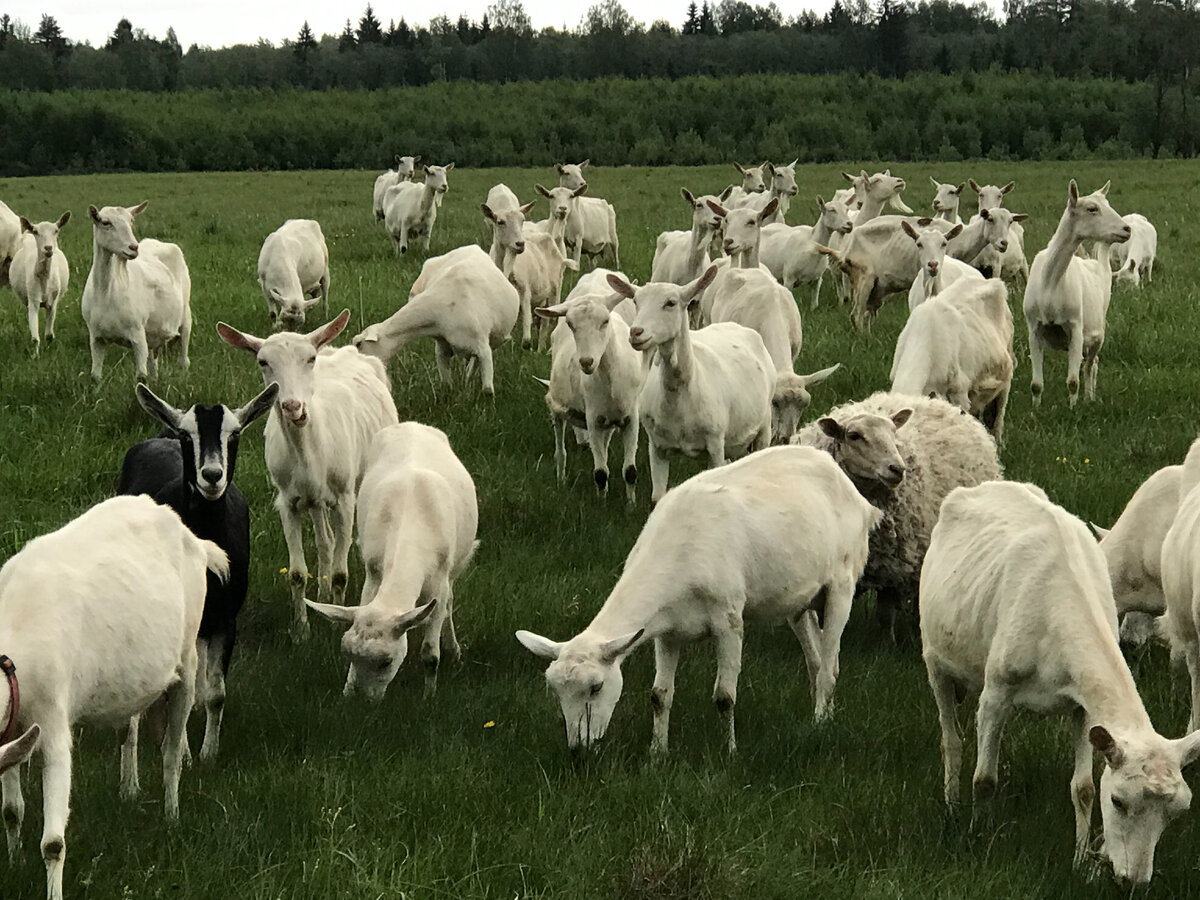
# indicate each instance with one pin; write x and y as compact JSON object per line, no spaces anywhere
{"x":1037,"y":352}
{"x":51,"y":312}
{"x":12,"y":809}
{"x":1083,"y":788}
{"x":599,"y":437}
{"x":431,"y":640}
{"x":729,"y":665}
{"x":560,"y":447}
{"x":31,"y":312}
{"x":293,"y":533}
{"x":716,"y":448}
{"x":660,"y":471}
{"x":1074,"y":359}
{"x":130,"y":786}
{"x":56,"y":803}
{"x":629,"y":444}
{"x":666,"y":661}
{"x":141,"y":355}
{"x":97,"y":348}
{"x":342,"y":513}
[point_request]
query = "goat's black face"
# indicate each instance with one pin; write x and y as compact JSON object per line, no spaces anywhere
{"x":208,"y":437}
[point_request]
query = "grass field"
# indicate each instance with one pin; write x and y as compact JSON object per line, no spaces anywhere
{"x":317,"y":797}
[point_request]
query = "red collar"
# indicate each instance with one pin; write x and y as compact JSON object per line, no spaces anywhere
{"x":14,"y":695}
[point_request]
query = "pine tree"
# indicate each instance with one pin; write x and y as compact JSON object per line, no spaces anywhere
{"x":306,"y":42}
{"x":692,"y":23}
{"x":50,"y":36}
{"x":346,"y":38}
{"x":122,"y":34}
{"x":370,"y":31}
{"x":6,"y":29}
{"x":706,"y":24}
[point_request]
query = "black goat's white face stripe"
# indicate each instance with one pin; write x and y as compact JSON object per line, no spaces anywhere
{"x":210,"y":429}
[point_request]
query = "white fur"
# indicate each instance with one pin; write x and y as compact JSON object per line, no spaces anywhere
{"x":406,"y":170}
{"x":791,"y":253}
{"x":1011,"y":263}
{"x":591,"y":224}
{"x":10,"y":240}
{"x":683,"y":256}
{"x":39,"y":274}
{"x":293,"y":272}
{"x":410,"y":210}
{"x":1134,"y":259}
{"x":946,"y":199}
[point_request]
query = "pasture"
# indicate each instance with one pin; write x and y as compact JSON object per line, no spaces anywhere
{"x":473,"y":793}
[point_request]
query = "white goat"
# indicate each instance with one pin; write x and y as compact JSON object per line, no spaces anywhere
{"x":591,"y":225}
{"x":1181,"y":575}
{"x":331,"y":404}
{"x":683,"y":256}
{"x":946,"y":199}
{"x":873,"y":192}
{"x":776,"y":536}
{"x":708,"y":391}
{"x":138,"y":293}
{"x":937,"y":270}
{"x":409,"y":210}
{"x":1011,"y":263}
{"x":463,"y":302}
{"x":98,"y":643}
{"x":10,"y":239}
{"x":997,"y":554}
{"x":1135,"y":258}
{"x":783,"y":189}
{"x":959,"y":345}
{"x":596,"y":379}
{"x":753,"y":183}
{"x":293,"y":272}
{"x":1066,"y":297}
{"x":406,"y":167}
{"x":417,"y":520}
{"x":791,"y":253}
{"x":39,"y":273}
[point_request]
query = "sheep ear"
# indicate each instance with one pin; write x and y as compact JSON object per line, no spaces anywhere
{"x":16,"y":752}
{"x":527,"y":207}
{"x":902,"y":416}
{"x":620,"y":285}
{"x":541,"y":190}
{"x":328,"y":332}
{"x":239,"y":339}
{"x":717,"y":208}
{"x":611,"y":651}
{"x":412,"y":618}
{"x":1100,"y":533}
{"x":94,"y":214}
{"x":1008,"y":187}
{"x":817,"y":377}
{"x":832,"y":428}
{"x":1072,"y":193}
{"x":1103,"y":742}
{"x":487,"y":212}
{"x":974,"y":185}
{"x":26,"y":225}
{"x":63,"y":219}
{"x":539,"y":646}
{"x":341,"y":615}
{"x":954,"y":232}
{"x":768,"y":210}
{"x":687,"y":197}
{"x":909,"y":230}
{"x":157,"y":408}
{"x":551,"y":312}
{"x":256,"y":407}
{"x":139,"y":209}
{"x":725,"y":194}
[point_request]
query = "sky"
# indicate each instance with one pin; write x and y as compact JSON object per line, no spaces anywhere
{"x":219,"y":23}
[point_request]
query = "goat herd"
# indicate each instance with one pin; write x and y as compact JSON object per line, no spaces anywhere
{"x":900,"y":493}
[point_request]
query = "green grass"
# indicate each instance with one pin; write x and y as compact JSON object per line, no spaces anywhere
{"x":317,"y":797}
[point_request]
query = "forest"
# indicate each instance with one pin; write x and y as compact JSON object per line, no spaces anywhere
{"x":901,"y":80}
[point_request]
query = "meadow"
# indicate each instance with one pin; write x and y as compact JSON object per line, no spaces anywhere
{"x":473,"y":793}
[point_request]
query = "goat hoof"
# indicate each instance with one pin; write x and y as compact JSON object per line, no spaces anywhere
{"x":601,"y":480}
{"x":631,"y":474}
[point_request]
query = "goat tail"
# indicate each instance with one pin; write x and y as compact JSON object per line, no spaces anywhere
{"x":216,"y":560}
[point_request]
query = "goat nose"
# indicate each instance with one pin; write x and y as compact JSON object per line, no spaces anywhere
{"x":290,"y":405}
{"x":728,"y":245}
{"x":211,"y":474}
{"x":635,"y":332}
{"x":896,"y":469}
{"x":520,"y":246}
{"x":587,"y":362}
{"x":1003,"y":247}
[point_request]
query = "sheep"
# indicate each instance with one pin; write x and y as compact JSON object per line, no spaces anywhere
{"x":1010,"y":263}
{"x":780,"y":535}
{"x":138,"y":293}
{"x":409,"y":208}
{"x":683,"y":256}
{"x":1066,"y":296}
{"x":417,"y":521}
{"x":596,"y":379}
{"x":192,"y":472}
{"x":753,"y":183}
{"x":791,"y":253}
{"x":406,"y":170}
{"x":998,"y":553}
{"x":1135,"y":258}
{"x":463,"y":302}
{"x":937,"y":270}
{"x":959,"y":346}
{"x":534,"y":263}
{"x":591,"y":225}
{"x":10,"y":240}
{"x":946,"y":199}
{"x":293,"y":272}
{"x":112,"y":631}
{"x":39,"y":273}
{"x":904,"y":454}
{"x":330,"y":404}
{"x":783,"y":189}
{"x":708,"y":391}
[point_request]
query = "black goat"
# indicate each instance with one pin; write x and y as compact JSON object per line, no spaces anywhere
{"x":193,"y":474}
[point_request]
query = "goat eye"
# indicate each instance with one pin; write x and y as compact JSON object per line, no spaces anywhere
{"x":263,"y":363}
{"x":596,"y":689}
{"x":670,"y":304}
{"x":1119,"y":805}
{"x":854,"y":436}
{"x":312,"y":361}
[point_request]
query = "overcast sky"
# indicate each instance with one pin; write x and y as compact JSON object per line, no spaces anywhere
{"x":218,"y":23}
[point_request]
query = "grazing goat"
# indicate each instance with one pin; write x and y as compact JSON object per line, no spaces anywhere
{"x":417,"y":518}
{"x":1181,"y":575}
{"x":1066,"y":297}
{"x":1135,"y":258}
{"x":409,"y":210}
{"x":780,"y":536}
{"x":138,"y":293}
{"x":463,"y":302}
{"x":192,"y":473}
{"x":331,"y":404}
{"x":293,"y":272}
{"x":112,"y":631}
{"x":39,"y":273}
{"x":1016,"y":608}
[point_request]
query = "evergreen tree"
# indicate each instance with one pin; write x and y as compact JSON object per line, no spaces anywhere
{"x":6,"y":29}
{"x":346,"y":39}
{"x":691,"y":25}
{"x":306,"y":42}
{"x":706,"y":25}
{"x":370,"y":31}
{"x":122,"y":35}
{"x":50,"y":36}
{"x":891,"y":34}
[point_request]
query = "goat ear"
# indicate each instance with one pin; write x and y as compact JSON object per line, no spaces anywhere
{"x":692,"y":291}
{"x":16,"y":752}
{"x":1105,"y":743}
{"x":954,"y":232}
{"x":139,"y":209}
{"x":902,"y":416}
{"x":1188,"y":746}
{"x":585,"y":163}
{"x":1020,"y":217}
{"x":832,"y":428}
{"x":611,"y":651}
{"x":328,"y":332}
{"x":620,"y":285}
{"x":559,"y":167}
{"x":26,"y":225}
{"x":687,"y":197}
{"x":817,"y":377}
{"x":848,"y":177}
{"x":539,"y":646}
{"x":717,"y":208}
{"x":738,"y":166}
{"x":487,"y":212}
{"x":770,"y":167}
{"x":399,"y":159}
{"x":1100,"y":533}
{"x":239,"y":339}
{"x":158,"y":408}
{"x":1072,"y":193}
{"x":63,"y":219}
{"x":527,"y":207}
{"x":793,"y":163}
{"x":768,"y":210}
{"x":94,"y":214}
{"x":257,"y":406}
{"x":1104,"y":190}
{"x":909,"y":230}
{"x":412,"y":618}
{"x":551,"y":312}
{"x":341,"y":615}
{"x":820,"y":203}
{"x":581,"y":190}
{"x":960,"y":188}
{"x":416,"y":159}
{"x":725,"y":194}
{"x":1008,"y":187}
{"x":541,"y":190}
{"x":937,"y":184}
{"x":974,"y":185}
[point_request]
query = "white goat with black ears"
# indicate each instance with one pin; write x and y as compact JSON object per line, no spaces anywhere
{"x":417,"y":518}
{"x":331,"y":404}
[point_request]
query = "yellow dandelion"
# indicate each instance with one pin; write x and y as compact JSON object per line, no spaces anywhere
{"x":489,"y":724}
{"x":283,"y":571}
{"x":1086,"y":460}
